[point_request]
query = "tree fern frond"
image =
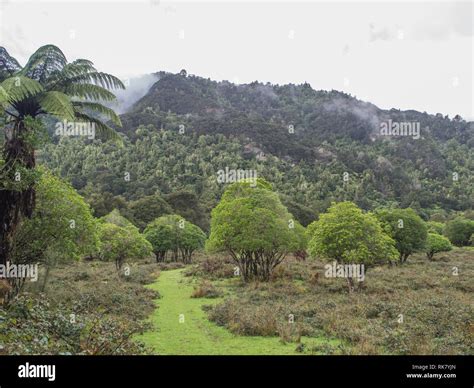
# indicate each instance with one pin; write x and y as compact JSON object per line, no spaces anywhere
{"x":62,"y":77}
{"x":97,"y":107}
{"x":84,"y":62}
{"x":102,"y":129}
{"x":19,"y":87}
{"x":88,"y":92}
{"x":3,"y":100}
{"x":8,"y":64}
{"x":43,"y":62}
{"x":57,"y":104}
{"x":105,"y":80}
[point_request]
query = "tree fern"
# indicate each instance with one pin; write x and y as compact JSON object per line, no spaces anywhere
{"x":57,"y":104}
{"x":19,"y":87}
{"x":99,"y":108}
{"x":103,"y":130}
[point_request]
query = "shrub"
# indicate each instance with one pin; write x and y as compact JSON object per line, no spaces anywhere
{"x":459,"y":231}
{"x":407,"y":229}
{"x":436,"y":243}
{"x":206,"y":290}
{"x":61,"y":229}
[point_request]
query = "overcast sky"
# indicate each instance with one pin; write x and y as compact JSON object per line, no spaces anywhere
{"x":403,"y":55}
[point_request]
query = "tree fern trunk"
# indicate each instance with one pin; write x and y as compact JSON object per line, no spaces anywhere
{"x":15,"y":204}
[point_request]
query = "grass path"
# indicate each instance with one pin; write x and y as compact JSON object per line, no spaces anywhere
{"x":197,"y":335}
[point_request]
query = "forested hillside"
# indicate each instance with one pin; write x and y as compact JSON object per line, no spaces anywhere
{"x":314,"y":146}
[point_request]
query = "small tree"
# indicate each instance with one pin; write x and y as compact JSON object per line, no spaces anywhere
{"x":349,"y":236}
{"x":173,"y":233}
{"x":436,"y":243}
{"x":193,"y":238}
{"x":121,"y":240}
{"x":251,"y":224}
{"x":407,"y":229}
{"x":459,"y":231}
{"x":62,"y":227}
{"x":161,"y":237}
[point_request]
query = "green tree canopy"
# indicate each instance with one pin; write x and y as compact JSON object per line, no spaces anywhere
{"x":121,"y":240}
{"x":435,"y":227}
{"x":407,"y":229}
{"x":346,"y":234}
{"x":144,"y":210}
{"x":62,"y":225}
{"x":172,"y":233}
{"x":186,"y":204}
{"x":436,"y":243}
{"x":459,"y":231}
{"x":116,"y":218}
{"x":61,"y":228}
{"x":251,"y":224}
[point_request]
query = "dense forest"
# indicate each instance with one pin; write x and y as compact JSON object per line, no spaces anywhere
{"x":314,"y":146}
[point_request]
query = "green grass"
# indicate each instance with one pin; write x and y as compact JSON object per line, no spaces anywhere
{"x":197,"y":335}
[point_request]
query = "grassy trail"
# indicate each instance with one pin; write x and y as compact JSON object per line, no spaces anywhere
{"x":197,"y":335}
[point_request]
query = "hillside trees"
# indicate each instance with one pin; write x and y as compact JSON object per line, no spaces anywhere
{"x":254,"y":228}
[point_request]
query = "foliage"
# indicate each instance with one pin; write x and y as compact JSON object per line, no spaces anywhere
{"x":62,"y":225}
{"x":459,"y":231}
{"x":436,"y":243}
{"x":173,"y":233}
{"x":52,"y":86}
{"x":61,"y":229}
{"x":251,"y":224}
{"x":435,"y":227}
{"x":116,"y":218}
{"x":380,"y":174}
{"x":407,"y":229}
{"x":186,"y":203}
{"x":121,"y":240}
{"x":84,"y":311}
{"x":349,"y":236}
{"x":146,"y":209}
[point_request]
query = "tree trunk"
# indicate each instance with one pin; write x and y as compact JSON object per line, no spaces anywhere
{"x":46,"y":276}
{"x":15,"y":204}
{"x":350,"y":285}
